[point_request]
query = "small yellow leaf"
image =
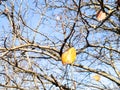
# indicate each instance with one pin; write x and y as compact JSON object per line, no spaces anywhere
{"x":69,"y":56}
{"x":96,"y":77}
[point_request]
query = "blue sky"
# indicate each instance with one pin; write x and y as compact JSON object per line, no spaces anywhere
{"x":53,"y":30}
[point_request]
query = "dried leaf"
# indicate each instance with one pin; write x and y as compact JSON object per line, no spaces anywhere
{"x":101,"y":15}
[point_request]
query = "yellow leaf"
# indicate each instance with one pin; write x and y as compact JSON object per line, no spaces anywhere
{"x":96,"y":77}
{"x":69,"y":56}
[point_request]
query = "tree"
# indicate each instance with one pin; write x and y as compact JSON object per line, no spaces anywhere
{"x":35,"y":34}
